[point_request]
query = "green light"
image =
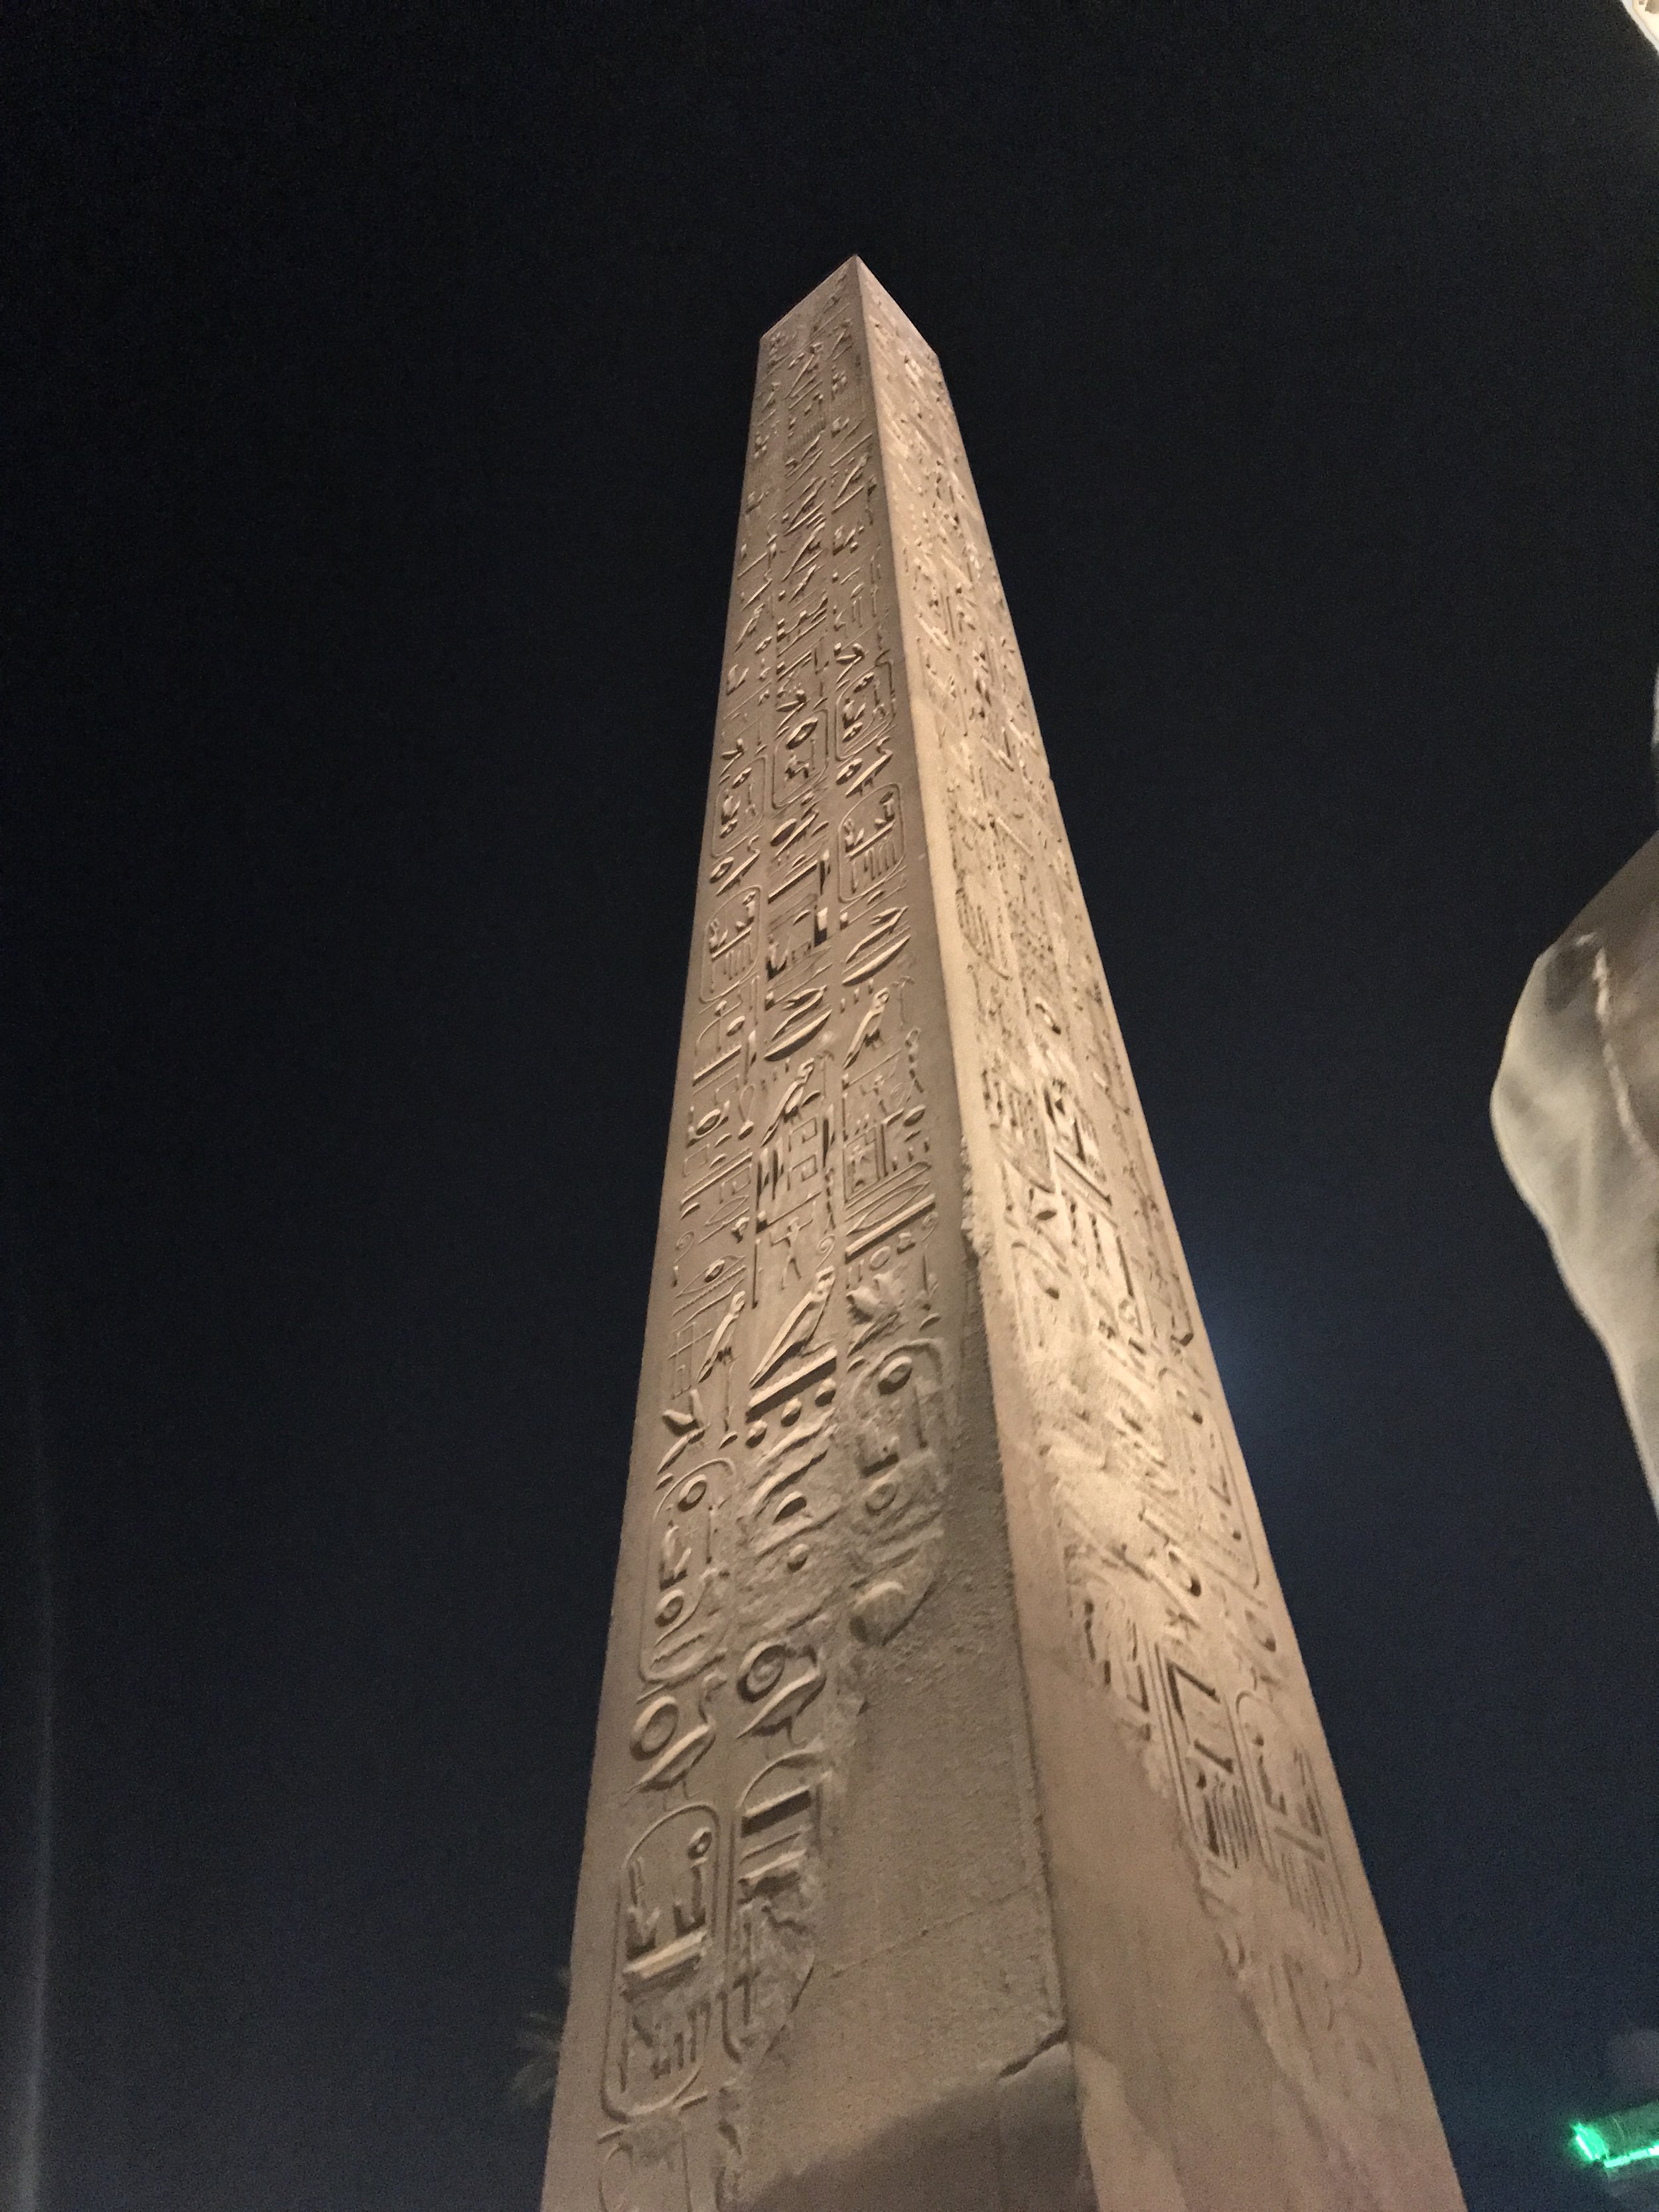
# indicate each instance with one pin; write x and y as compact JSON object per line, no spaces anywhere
{"x":1590,"y":2146}
{"x":1618,"y":2139}
{"x":1623,"y":2139}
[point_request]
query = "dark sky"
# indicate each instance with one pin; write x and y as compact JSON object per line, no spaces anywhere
{"x":370,"y":500}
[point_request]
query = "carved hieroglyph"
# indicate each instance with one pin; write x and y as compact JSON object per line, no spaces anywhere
{"x":961,"y":1832}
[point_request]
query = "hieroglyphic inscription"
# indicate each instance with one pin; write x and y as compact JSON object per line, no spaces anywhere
{"x":800,"y":1460}
{"x":897,"y":1030}
{"x":1176,"y":1620}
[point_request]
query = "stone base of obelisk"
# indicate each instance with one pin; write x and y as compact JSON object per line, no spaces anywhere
{"x":1014,"y":2146}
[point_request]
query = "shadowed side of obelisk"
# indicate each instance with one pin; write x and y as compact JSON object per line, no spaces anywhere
{"x":1239,"y":2036}
{"x":814,"y":1963}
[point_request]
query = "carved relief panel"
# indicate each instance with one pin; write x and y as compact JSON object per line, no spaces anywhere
{"x":786,"y":1502}
{"x":1177,"y":1621}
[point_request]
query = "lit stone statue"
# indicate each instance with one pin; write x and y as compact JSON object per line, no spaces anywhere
{"x":961,"y":1834}
{"x":1575,"y":1112}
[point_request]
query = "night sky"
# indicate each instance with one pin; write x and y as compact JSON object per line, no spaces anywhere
{"x":369,"y":495}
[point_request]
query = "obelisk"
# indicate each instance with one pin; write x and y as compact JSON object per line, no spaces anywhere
{"x":961,"y":1833}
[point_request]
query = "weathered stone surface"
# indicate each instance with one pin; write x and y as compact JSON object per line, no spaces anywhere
{"x":1576,"y":1113}
{"x":962,"y":1832}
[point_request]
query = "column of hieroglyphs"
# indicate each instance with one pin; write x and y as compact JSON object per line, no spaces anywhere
{"x":958,"y":1799}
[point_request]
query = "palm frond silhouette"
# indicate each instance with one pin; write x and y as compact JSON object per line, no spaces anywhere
{"x":539,"y":2040}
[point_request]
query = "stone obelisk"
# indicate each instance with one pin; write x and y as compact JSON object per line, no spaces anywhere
{"x":961,"y":1833}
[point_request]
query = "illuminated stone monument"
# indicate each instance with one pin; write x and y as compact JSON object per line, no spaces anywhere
{"x":961,"y":1833}
{"x":1576,"y":1113}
